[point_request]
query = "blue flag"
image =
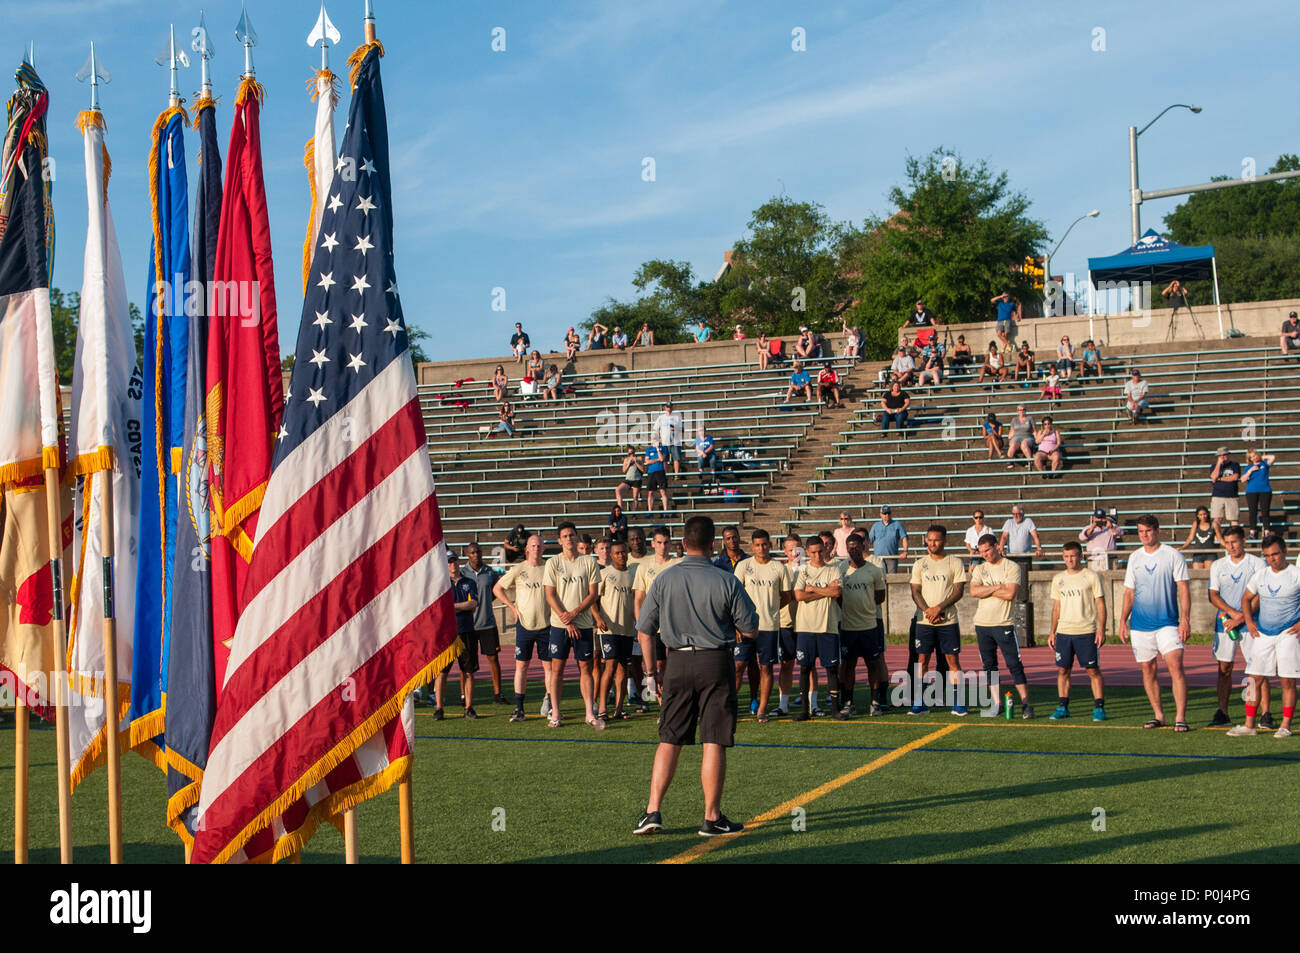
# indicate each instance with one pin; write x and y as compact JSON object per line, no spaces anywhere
{"x":165,"y":354}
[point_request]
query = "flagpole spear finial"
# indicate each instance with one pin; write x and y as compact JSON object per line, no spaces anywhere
{"x":173,"y":59}
{"x":326,"y":34}
{"x":247,"y":36}
{"x":202,"y":45}
{"x":94,"y":71}
{"x":370,"y":22}
{"x":29,"y":54}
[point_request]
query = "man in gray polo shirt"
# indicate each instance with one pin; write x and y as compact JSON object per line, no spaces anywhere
{"x":1018,"y":532}
{"x":485,"y":620}
{"x":701,"y":612}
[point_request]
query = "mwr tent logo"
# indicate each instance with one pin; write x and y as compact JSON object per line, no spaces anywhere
{"x":75,"y":906}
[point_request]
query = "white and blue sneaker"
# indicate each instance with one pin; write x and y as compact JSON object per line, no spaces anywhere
{"x":919,"y":709}
{"x":960,"y":711}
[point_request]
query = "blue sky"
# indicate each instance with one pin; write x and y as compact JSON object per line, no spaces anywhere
{"x":522,"y":169}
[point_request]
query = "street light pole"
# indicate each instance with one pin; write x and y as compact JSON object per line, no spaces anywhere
{"x":1135,"y":194}
{"x":1047,"y":259}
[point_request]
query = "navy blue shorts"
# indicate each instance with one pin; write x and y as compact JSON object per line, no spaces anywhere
{"x":617,"y":648}
{"x":947,"y":638}
{"x":812,"y":646}
{"x":525,"y":639}
{"x":1082,"y":647}
{"x":768,"y":647}
{"x":584,"y":646}
{"x":743,"y":651}
{"x":874,"y":644}
{"x":789,"y":644}
{"x":851,"y":641}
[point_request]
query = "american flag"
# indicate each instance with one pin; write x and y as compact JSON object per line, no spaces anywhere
{"x":348,"y":599}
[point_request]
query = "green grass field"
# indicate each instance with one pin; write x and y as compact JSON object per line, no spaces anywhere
{"x":989,"y":791}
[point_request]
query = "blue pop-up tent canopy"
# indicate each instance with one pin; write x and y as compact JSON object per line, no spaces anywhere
{"x":1157,"y":260}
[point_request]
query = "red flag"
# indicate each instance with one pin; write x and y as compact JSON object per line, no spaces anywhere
{"x":245,"y":394}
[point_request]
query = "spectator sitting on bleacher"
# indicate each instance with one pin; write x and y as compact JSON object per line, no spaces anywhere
{"x":572,"y":344}
{"x":516,"y":543}
{"x":505,"y":421}
{"x":1100,"y":538}
{"x":805,"y":346}
{"x":903,"y":369}
{"x":738,"y":334}
{"x":852,"y":339}
{"x":993,"y":436}
{"x":931,"y":366}
{"x":706,"y":456}
{"x":994,"y":366}
{"x":761,"y":347}
{"x":631,"y":480}
{"x":1091,"y":363}
{"x":536,"y":366}
{"x":799,"y":380}
{"x":828,"y":385}
{"x":645,"y":337}
{"x":1048,"y":439}
{"x":619,"y":339}
{"x":1135,"y":396}
{"x":893,"y":406}
{"x":702,"y":332}
{"x":1022,"y":436}
{"x":1052,"y":385}
{"x":617,"y":524}
{"x":1024,"y":362}
{"x":519,"y":343}
{"x":596,"y":337}
{"x":551,"y":386}
{"x":1065,"y":358}
{"x":500,"y":383}
{"x":1290,"y":340}
{"x":961,"y":358}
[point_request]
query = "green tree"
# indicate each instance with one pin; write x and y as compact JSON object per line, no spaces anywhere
{"x":788,"y":272}
{"x":1253,"y":229}
{"x":670,"y":297}
{"x":958,"y":237}
{"x":65,"y":309}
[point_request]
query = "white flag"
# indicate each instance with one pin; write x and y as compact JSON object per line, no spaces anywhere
{"x":105,"y":450}
{"x":319,"y":160}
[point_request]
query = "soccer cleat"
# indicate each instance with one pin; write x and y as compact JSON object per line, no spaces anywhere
{"x":802,"y":715}
{"x":720,"y":826}
{"x":1027,"y":711}
{"x":1219,"y":720}
{"x":1099,"y":714}
{"x":437,"y":714}
{"x":546,"y":706}
{"x":499,"y":699}
{"x":919,"y":709}
{"x":877,"y":709}
{"x":650,"y":823}
{"x":818,"y":713}
{"x":1282,"y":733}
{"x":518,"y":715}
{"x":960,"y":711}
{"x":470,"y":712}
{"x":1266,"y":721}
{"x":1061,"y":712}
{"x":1241,"y":731}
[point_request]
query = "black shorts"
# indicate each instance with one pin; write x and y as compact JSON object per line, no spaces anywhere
{"x":656,"y":481}
{"x":525,"y":639}
{"x":617,"y":648}
{"x":1082,"y":647}
{"x":743,"y":651}
{"x":865,"y":644}
{"x":489,"y":640}
{"x":789,"y":644}
{"x":769,"y":647}
{"x":947,"y":638}
{"x":699,"y":689}
{"x":812,"y":646}
{"x":584,"y":648}
{"x":467,"y":660}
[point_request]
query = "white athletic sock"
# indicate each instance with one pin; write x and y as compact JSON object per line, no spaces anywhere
{"x":785,"y":701}
{"x":813,"y":697}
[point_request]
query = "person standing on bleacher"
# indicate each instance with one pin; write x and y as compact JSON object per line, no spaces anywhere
{"x":888,"y":540}
{"x":668,"y":428}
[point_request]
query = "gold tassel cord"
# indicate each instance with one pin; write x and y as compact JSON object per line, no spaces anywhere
{"x":314,"y":85}
{"x":309,"y":160}
{"x":93,"y":117}
{"x":358,"y":57}
{"x":250,"y":87}
{"x":200,"y":104}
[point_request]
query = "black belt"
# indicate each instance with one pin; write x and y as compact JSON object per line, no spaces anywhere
{"x":699,"y":648}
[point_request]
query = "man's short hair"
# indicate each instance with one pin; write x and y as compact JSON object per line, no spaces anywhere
{"x":608,"y":540}
{"x":792,"y":537}
{"x":473,"y":544}
{"x":661,"y":531}
{"x":586,"y":538}
{"x":565,"y":525}
{"x":615,"y":543}
{"x":733,"y":528}
{"x":1148,"y":521}
{"x":1234,"y":531}
{"x":937,"y":528}
{"x":814,"y":541}
{"x":1072,"y":547}
{"x":698,"y":534}
{"x":1272,"y":539}
{"x":760,"y":534}
{"x":827,"y":536}
{"x":861,"y":534}
{"x":986,"y":538}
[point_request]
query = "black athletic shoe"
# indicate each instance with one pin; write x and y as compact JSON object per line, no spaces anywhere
{"x":720,"y":826}
{"x":518,"y":715}
{"x":802,"y":715}
{"x":650,"y":823}
{"x":470,"y":712}
{"x":437,"y":714}
{"x":1266,"y":721}
{"x":499,"y":699}
{"x":1219,"y":720}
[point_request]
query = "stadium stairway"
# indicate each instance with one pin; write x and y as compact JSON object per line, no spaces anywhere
{"x":1239,"y":393}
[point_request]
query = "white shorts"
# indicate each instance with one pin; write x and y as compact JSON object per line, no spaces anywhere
{"x":1162,"y":641}
{"x":1225,"y":650}
{"x":1274,"y":656}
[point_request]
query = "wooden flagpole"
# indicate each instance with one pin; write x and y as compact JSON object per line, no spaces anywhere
{"x":405,"y":819}
{"x":114,"y":753}
{"x":350,"y":851}
{"x":54,"y":519}
{"x":20,"y":781}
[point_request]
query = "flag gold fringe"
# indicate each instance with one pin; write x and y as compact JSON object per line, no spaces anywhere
{"x":74,"y":591}
{"x":95,"y":754}
{"x":234,"y":515}
{"x":200,"y":104}
{"x":352,"y":795}
{"x":178,"y":457}
{"x":309,"y":160}
{"x":250,"y":87}
{"x":331,"y":79}
{"x":100,"y":459}
{"x":50,"y":458}
{"x":358,"y":57}
{"x":93,"y":117}
{"x":22,"y":470}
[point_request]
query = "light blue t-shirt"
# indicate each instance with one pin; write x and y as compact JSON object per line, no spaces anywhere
{"x":885,"y":537}
{"x":701,"y":335}
{"x":1229,"y":580}
{"x":1153,"y":577}
{"x":799,"y":378}
{"x":1279,"y":598}
{"x":1005,"y":310}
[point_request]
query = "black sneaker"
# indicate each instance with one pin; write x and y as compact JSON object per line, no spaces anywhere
{"x":1219,"y":720}
{"x":802,"y":715}
{"x":437,"y":714}
{"x":650,"y":823}
{"x":470,"y":712}
{"x":720,"y":826}
{"x":1266,"y":721}
{"x":518,"y":715}
{"x":499,"y":699}
{"x":843,"y":714}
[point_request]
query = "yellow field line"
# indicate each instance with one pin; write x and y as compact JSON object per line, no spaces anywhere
{"x":783,"y":810}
